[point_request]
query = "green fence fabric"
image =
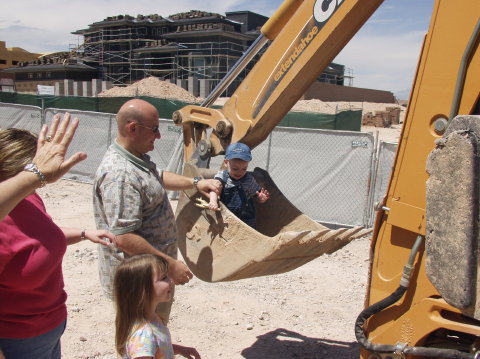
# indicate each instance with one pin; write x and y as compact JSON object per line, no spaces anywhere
{"x":309,"y":120}
{"x":67,"y":103}
{"x":350,"y":120}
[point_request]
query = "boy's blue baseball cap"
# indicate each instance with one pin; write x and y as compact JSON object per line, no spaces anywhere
{"x":238,"y":150}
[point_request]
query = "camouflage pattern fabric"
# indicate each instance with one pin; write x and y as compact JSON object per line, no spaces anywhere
{"x":128,"y":197}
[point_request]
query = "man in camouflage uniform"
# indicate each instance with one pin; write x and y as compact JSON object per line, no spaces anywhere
{"x":130,"y":198}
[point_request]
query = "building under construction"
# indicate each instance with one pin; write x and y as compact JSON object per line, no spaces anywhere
{"x":196,"y":44}
{"x":194,"y":50}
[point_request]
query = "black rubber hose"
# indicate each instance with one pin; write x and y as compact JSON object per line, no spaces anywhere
{"x":407,"y":350}
{"x":367,"y":313}
{"x":437,"y":353}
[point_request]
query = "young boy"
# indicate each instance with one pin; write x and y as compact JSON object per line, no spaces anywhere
{"x":238,"y":185}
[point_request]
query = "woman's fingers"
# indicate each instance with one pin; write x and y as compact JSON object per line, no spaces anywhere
{"x":57,"y":135}
{"x":52,"y":131}
{"x":41,"y":136}
{"x":72,"y":161}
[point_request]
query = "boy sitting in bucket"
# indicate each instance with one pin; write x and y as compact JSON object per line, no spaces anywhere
{"x":239,"y":187}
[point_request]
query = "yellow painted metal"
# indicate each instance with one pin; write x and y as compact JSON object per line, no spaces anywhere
{"x":435,"y":314}
{"x":302,"y":47}
{"x":416,"y":315}
{"x":301,"y":50}
{"x":406,"y":216}
{"x":278,"y":20}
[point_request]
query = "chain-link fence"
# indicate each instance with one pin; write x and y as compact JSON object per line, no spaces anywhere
{"x":332,"y":176}
{"x":95,"y":133}
{"x":93,"y":136}
{"x":383,"y":167}
{"x":331,"y":167}
{"x":21,"y":116}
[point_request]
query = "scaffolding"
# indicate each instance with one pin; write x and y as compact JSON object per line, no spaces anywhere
{"x":203,"y":60}
{"x":111,"y":50}
{"x":348,"y":77}
{"x":127,"y":52}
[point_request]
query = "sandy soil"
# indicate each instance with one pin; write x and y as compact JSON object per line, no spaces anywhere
{"x":306,"y":313}
{"x":390,"y":134}
{"x":155,"y":87}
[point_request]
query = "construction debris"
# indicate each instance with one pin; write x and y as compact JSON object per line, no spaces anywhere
{"x":387,"y":118}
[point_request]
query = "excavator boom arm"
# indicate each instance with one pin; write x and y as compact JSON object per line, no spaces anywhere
{"x":307,"y":35}
{"x":434,"y":165}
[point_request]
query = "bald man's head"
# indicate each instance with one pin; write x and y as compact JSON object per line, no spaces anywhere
{"x":134,"y":111}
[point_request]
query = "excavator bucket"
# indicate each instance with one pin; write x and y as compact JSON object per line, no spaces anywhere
{"x":217,"y":246}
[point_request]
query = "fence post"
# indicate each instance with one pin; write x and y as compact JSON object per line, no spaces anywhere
{"x":109,"y":135}
{"x":43,"y":119}
{"x":368,"y":220}
{"x":269,"y":147}
{"x":373,"y":180}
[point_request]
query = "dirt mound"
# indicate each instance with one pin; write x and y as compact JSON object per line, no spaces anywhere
{"x":333,"y":107}
{"x":319,"y":106}
{"x":152,"y":87}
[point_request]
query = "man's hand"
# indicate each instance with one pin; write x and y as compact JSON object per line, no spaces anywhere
{"x":179,"y":272}
{"x":204,"y":186}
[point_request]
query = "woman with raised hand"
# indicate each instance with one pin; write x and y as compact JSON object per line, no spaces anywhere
{"x":33,"y":312}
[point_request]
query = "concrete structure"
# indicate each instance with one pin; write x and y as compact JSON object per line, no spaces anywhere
{"x":49,"y":71}
{"x":196,"y":44}
{"x":81,"y":88}
{"x":12,"y":56}
{"x":195,"y":50}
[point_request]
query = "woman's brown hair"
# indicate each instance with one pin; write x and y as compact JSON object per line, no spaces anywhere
{"x":17,"y":148}
{"x":133,"y":294}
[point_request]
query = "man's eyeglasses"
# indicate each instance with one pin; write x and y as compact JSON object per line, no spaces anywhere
{"x":154,"y":129}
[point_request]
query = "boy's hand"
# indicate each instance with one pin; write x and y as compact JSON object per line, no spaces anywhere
{"x":213,"y":205}
{"x":263,"y":195}
{"x":204,"y":186}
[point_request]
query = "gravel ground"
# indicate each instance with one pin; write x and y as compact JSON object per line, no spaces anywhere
{"x":305,"y":313}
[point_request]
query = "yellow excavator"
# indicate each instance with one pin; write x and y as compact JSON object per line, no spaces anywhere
{"x":423,"y":294}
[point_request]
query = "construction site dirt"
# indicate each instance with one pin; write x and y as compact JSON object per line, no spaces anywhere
{"x":305,"y":313}
{"x":373,"y":114}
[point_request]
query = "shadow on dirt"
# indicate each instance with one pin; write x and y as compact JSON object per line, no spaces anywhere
{"x":285,"y":344}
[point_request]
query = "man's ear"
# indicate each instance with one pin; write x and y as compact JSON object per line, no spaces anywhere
{"x":131,"y":127}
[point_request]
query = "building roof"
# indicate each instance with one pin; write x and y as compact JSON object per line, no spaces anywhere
{"x":50,"y":67}
{"x":212,"y":32}
{"x":191,"y":17}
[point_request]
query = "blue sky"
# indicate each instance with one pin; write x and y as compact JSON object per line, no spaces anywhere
{"x":383,"y":55}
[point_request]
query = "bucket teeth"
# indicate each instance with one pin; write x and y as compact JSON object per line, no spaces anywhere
{"x":200,"y":202}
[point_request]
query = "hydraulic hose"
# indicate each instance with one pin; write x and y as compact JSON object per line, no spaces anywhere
{"x":367,"y":313}
{"x":402,"y":348}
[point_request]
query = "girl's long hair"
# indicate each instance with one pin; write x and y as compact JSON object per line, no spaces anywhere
{"x":133,"y":294}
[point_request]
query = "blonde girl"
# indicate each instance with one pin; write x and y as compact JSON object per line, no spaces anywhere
{"x":140,"y":284}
